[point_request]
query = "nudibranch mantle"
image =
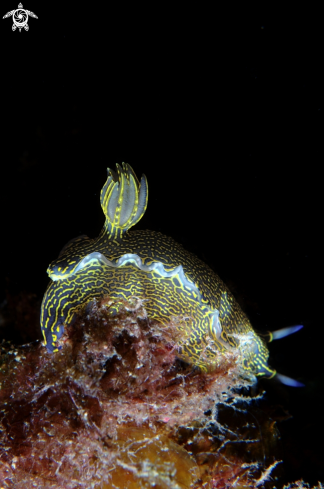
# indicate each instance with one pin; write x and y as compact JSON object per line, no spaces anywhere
{"x":126,"y":277}
{"x":149,"y":265}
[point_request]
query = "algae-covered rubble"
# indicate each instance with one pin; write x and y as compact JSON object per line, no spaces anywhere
{"x":117,"y":408}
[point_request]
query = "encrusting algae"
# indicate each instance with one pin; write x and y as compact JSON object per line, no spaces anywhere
{"x":116,"y":408}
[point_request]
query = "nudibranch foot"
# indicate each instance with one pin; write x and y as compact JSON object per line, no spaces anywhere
{"x":52,"y":336}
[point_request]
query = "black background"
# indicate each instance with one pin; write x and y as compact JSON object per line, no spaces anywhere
{"x":223,"y":113}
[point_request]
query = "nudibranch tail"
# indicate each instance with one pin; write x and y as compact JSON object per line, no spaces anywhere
{"x":123,"y":200}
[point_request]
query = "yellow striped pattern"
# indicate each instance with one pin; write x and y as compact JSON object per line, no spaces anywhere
{"x":216,"y":321}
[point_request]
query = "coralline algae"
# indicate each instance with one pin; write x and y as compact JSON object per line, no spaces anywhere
{"x":116,"y":408}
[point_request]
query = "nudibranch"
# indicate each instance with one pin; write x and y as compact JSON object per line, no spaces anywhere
{"x":146,"y":264}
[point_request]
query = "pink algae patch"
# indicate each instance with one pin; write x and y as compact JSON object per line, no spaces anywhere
{"x":115,"y":407}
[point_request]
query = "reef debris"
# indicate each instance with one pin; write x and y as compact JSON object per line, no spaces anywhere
{"x":117,"y":408}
